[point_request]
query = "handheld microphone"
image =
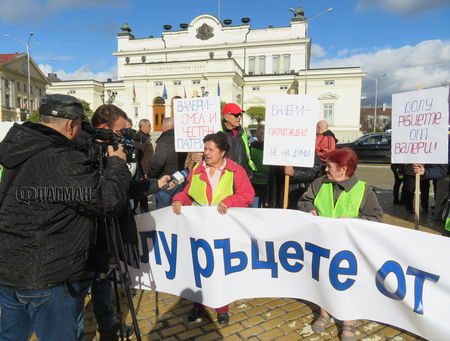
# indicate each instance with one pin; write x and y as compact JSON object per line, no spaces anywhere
{"x":178,"y":177}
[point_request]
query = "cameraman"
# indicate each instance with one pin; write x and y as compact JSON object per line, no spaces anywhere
{"x":109,"y":116}
{"x":50,"y":196}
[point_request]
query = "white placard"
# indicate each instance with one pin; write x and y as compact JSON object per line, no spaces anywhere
{"x":195,"y":118}
{"x":419,"y":126}
{"x":290,"y":130}
{"x":353,"y":268}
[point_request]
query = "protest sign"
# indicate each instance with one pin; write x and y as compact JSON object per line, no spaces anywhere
{"x":194,"y":118}
{"x":290,"y":130}
{"x":353,"y":268}
{"x":419,"y":126}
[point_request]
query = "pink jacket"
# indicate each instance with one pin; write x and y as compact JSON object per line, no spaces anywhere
{"x":243,"y":190}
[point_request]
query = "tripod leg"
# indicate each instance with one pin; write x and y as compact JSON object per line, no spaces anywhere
{"x":124,"y":275}
{"x":119,"y":315}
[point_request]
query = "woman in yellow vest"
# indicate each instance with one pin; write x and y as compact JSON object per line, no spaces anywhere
{"x":340,"y":194}
{"x":215,"y":181}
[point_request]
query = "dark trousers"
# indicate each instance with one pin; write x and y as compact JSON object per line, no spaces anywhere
{"x":54,"y":314}
{"x":409,"y":188}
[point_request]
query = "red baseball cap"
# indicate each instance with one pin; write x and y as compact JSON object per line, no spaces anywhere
{"x":231,"y":108}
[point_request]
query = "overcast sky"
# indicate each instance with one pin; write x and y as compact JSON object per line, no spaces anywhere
{"x":408,"y":40}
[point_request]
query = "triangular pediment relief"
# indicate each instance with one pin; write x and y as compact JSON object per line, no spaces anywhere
{"x":328,"y":96}
{"x":256,"y":100}
{"x":20,"y":65}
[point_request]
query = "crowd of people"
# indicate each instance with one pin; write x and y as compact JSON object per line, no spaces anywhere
{"x":53,"y":250}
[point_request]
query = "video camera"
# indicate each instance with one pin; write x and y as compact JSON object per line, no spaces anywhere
{"x":95,"y":145}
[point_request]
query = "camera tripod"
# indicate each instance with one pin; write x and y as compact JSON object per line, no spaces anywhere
{"x":120,"y":268}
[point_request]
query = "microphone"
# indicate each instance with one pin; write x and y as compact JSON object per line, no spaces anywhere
{"x":178,"y":177}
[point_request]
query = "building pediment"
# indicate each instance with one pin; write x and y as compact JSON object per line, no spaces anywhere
{"x":256,"y":100}
{"x":328,"y":96}
{"x":19,"y":65}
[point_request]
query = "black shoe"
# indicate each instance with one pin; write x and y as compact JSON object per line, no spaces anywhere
{"x":223,"y":318}
{"x":114,"y":333}
{"x":195,"y":313}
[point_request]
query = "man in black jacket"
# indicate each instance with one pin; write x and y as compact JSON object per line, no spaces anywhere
{"x":108,"y":116}
{"x":50,"y":197}
{"x":237,"y":137}
{"x":166,"y":162}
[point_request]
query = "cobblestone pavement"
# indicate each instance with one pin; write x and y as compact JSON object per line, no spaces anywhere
{"x":163,"y":316}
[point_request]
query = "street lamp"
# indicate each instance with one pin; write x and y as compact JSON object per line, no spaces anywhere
{"x":27,"y":45}
{"x":307,"y":21}
{"x":376,"y":98}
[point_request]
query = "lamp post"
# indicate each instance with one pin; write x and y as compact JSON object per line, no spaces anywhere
{"x":376,"y":98}
{"x":307,"y":21}
{"x":27,"y":45}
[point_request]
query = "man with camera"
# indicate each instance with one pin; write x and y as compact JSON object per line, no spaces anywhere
{"x":110,"y":117}
{"x":50,"y":198}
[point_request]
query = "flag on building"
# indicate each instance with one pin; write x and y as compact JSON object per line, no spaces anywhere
{"x":134,"y":94}
{"x":218,"y":88}
{"x":164,"y":94}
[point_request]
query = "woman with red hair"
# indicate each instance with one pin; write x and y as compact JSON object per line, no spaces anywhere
{"x":340,"y":194}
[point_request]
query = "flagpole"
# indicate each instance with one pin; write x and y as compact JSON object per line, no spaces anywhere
{"x":219,"y":7}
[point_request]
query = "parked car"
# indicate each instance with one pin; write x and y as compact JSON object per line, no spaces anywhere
{"x":373,"y":148}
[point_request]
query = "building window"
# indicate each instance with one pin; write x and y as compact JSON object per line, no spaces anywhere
{"x":256,"y":88}
{"x":196,"y":81}
{"x":40,"y":92}
{"x":275,"y":64}
{"x":283,"y":87}
{"x":7,"y":82}
{"x":329,"y":82}
{"x":24,"y":87}
{"x":7,"y":101}
{"x":31,"y":89}
{"x":19,"y":104}
{"x":70,"y":92}
{"x":158,"y":83}
{"x":176,"y":82}
{"x":262,"y":65}
{"x":251,"y":65}
{"x":18,"y":86}
{"x":286,"y":63}
{"x":328,"y":113}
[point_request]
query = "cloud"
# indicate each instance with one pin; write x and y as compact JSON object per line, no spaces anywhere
{"x":24,"y":10}
{"x":403,"y":7}
{"x":407,"y":67}
{"x":317,"y":51}
{"x":83,"y":73}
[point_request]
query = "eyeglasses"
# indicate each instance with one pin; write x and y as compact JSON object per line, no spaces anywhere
{"x":235,"y":115}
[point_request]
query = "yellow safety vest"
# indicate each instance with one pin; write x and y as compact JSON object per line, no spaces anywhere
{"x":347,"y":205}
{"x":197,"y":190}
{"x":244,"y":137}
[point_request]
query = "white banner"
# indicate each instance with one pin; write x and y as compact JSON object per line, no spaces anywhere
{"x":195,"y":118}
{"x":355,"y":269}
{"x":419,"y":126}
{"x":290,"y":130}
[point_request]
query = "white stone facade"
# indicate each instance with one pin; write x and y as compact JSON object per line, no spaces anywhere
{"x":247,"y":64}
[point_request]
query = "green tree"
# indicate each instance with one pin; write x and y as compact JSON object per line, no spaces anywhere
{"x":87,"y":108}
{"x":34,"y":116}
{"x":257,"y":113}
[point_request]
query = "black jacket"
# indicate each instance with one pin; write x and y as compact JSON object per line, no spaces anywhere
{"x":237,"y":151}
{"x":50,"y":199}
{"x":166,"y":161}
